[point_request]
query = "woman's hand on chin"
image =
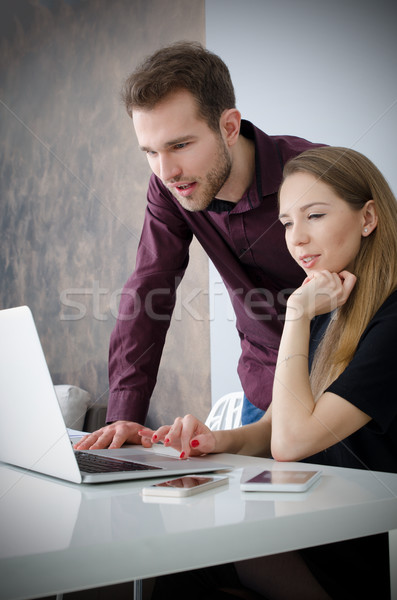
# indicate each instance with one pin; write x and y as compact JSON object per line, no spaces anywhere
{"x":320,"y":293}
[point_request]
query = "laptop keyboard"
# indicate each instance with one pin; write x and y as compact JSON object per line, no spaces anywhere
{"x":92,"y":463}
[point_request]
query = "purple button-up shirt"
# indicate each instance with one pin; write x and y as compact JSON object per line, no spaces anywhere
{"x":245,"y":243}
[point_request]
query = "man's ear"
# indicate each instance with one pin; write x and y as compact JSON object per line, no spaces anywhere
{"x":230,"y":122}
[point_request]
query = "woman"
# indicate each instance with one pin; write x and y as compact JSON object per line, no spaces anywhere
{"x":334,"y":390}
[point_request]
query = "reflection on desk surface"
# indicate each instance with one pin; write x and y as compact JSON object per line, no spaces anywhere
{"x":36,"y":514}
{"x":40,"y":515}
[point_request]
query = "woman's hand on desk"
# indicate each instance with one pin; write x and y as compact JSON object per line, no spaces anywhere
{"x":113,"y":436}
{"x":188,"y":435}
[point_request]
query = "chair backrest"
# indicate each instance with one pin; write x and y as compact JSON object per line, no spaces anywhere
{"x":226,"y":412}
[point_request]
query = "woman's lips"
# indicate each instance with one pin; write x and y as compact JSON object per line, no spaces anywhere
{"x":309,"y":260}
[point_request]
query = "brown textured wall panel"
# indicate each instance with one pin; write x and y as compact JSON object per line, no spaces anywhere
{"x":73,"y":186}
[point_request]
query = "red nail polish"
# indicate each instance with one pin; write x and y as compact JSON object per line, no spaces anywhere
{"x":182,"y":455}
{"x":194,"y":443}
{"x":154,"y":437}
{"x":166,"y":440}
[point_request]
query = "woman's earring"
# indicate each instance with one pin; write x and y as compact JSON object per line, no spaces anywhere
{"x":365,"y":230}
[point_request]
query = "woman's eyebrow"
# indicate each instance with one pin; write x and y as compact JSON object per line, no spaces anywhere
{"x":305,"y":207}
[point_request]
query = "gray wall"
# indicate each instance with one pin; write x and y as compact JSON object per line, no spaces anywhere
{"x":73,"y":186}
{"x":319,"y":69}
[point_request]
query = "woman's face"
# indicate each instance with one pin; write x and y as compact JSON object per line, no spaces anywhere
{"x":322,"y":231}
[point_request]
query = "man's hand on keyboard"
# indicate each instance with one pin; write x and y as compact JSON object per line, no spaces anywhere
{"x":113,"y":436}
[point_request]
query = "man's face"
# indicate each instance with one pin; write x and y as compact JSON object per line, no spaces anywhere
{"x":189,"y":157}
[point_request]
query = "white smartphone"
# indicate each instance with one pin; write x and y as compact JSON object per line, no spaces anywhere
{"x":184,"y":486}
{"x":281,"y":481}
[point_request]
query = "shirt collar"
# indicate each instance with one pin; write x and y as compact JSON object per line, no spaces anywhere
{"x":268,"y":160}
{"x":267,"y":177}
{"x":220,"y":206}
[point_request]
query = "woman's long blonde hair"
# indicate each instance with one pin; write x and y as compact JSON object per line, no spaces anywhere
{"x":355,"y":179}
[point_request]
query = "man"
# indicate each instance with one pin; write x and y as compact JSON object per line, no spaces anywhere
{"x":215,"y":177}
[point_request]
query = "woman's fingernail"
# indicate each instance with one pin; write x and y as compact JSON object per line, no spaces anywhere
{"x":182,"y":455}
{"x":154,"y":437}
{"x":166,"y":441}
{"x":194,"y":443}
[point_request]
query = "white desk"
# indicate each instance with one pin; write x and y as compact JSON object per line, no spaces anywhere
{"x":58,"y":537}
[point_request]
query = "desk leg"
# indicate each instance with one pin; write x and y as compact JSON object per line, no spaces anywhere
{"x":59,"y":597}
{"x":137,"y":589}
{"x":393,"y":563}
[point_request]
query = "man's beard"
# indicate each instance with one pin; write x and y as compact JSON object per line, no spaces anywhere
{"x":210,"y":185}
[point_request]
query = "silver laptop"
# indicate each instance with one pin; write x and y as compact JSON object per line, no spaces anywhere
{"x":33,"y":434}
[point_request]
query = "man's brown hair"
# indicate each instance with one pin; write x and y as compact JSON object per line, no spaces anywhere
{"x":182,"y":66}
